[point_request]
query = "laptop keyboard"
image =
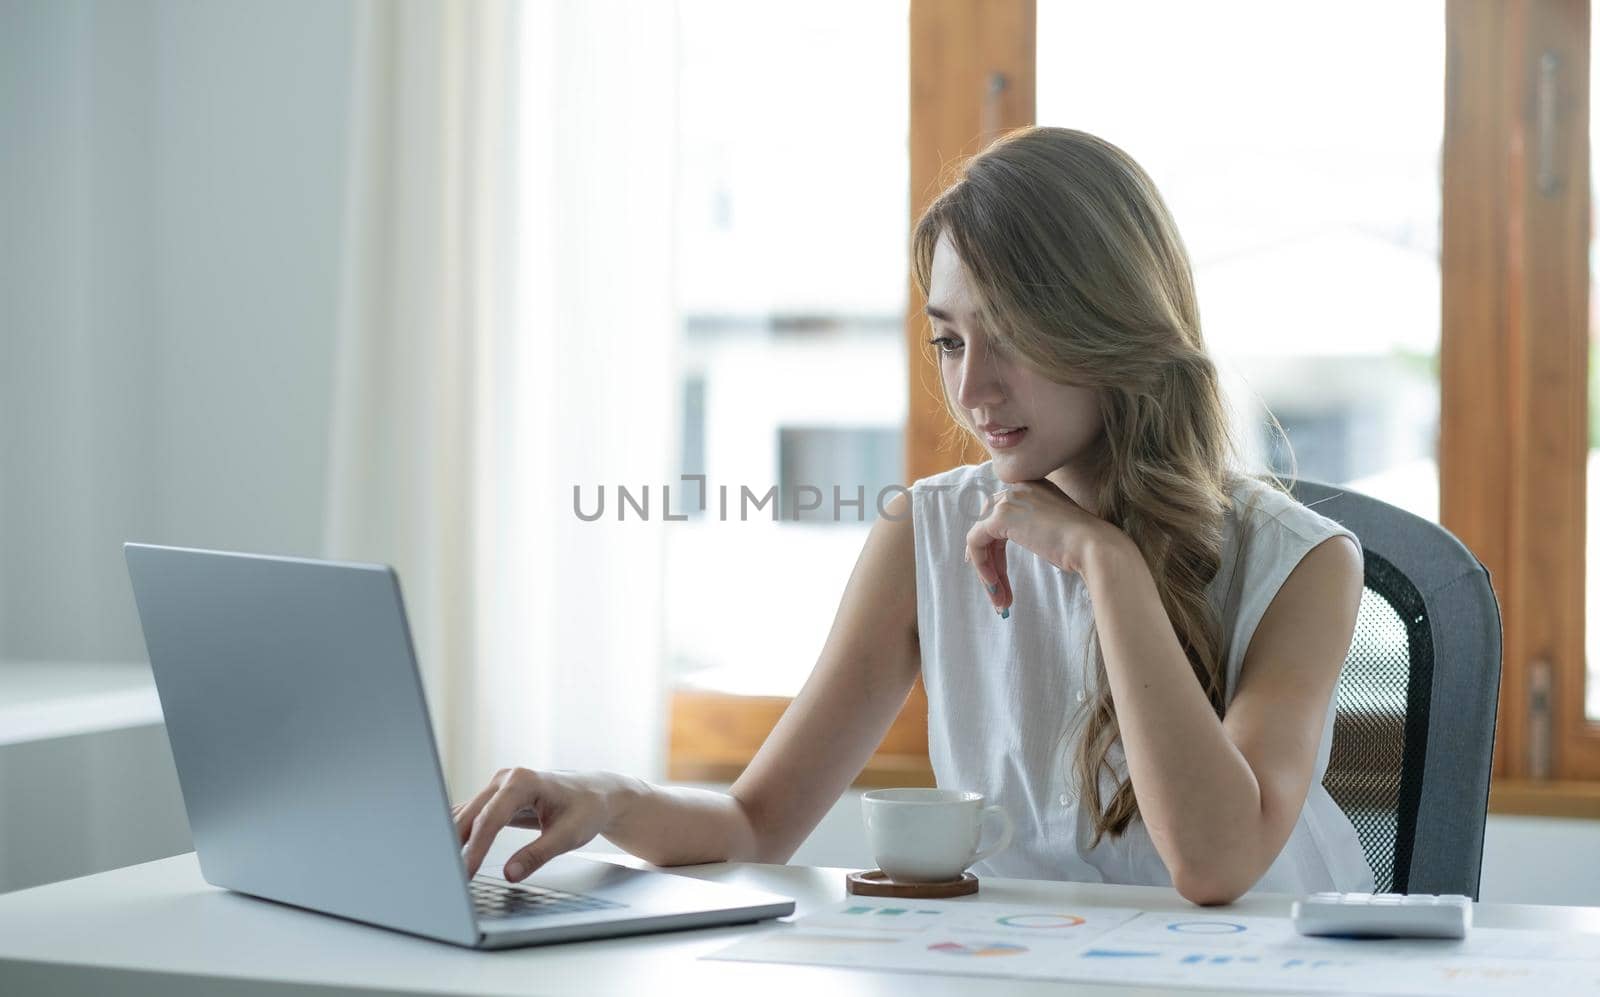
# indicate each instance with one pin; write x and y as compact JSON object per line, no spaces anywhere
{"x":494,"y":899}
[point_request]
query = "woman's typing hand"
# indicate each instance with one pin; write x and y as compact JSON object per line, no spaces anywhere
{"x":569,"y":808}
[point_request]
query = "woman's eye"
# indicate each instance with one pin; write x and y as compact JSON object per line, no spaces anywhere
{"x":946,"y":345}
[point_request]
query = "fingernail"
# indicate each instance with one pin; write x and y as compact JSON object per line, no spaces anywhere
{"x":514,"y":870}
{"x":1005,"y":614}
{"x":994,"y":588}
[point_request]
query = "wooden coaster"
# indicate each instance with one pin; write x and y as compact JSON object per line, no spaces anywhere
{"x":876,"y":883}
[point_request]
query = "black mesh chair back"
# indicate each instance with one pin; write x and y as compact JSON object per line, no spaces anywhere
{"x":1413,"y":732}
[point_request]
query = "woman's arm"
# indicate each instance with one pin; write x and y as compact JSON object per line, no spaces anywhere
{"x":822,"y":741}
{"x":1220,"y":797}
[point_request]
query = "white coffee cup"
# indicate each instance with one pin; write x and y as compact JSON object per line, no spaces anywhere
{"x":928,"y":835}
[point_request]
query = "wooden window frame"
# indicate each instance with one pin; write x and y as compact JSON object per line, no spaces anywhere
{"x":1513,"y":363}
{"x":1513,"y":437}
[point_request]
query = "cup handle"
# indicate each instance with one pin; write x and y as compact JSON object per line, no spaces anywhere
{"x":1005,"y":834}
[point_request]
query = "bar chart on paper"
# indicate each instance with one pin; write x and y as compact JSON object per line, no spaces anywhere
{"x":1242,"y":953}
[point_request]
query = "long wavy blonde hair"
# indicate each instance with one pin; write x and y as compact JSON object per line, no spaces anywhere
{"x":1076,"y":265}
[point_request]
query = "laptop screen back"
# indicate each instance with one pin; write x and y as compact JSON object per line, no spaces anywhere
{"x":301,"y":735}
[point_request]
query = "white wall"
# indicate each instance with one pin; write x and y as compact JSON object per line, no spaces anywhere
{"x":170,"y":195}
{"x":1541,"y":860}
{"x":171,"y":180}
{"x":73,"y":806}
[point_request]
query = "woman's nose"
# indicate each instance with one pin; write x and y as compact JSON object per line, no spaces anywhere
{"x":982,"y":381}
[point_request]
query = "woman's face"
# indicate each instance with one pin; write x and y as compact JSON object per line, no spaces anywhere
{"x":1060,"y":423}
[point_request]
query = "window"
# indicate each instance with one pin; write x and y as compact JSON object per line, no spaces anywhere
{"x":1307,"y":194}
{"x":793,"y":212}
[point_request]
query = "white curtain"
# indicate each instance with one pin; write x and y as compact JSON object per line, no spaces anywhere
{"x":508,"y":332}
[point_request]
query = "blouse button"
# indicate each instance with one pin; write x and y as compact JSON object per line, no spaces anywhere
{"x":1080,"y":695}
{"x":1066,"y":798}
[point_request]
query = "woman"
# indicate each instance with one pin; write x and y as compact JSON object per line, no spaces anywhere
{"x":1151,"y":697}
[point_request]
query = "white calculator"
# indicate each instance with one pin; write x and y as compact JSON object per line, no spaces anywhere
{"x":1384,"y":915}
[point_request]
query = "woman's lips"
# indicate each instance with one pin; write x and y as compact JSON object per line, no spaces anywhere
{"x":1006,"y":440}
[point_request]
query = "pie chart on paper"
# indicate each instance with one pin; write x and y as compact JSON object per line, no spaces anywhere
{"x":1040,"y":921}
{"x":981,"y":948}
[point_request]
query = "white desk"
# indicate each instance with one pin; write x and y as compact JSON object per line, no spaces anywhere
{"x":159,"y":929}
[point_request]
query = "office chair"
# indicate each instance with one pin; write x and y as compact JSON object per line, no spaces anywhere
{"x":1413,"y":732}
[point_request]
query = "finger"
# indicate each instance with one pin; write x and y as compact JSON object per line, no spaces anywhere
{"x":1045,"y":484}
{"x":463,"y":817}
{"x":527,"y":860}
{"x":469,"y":812}
{"x":526,"y":817}
{"x":979,"y":548}
{"x":979,"y":537}
{"x":982,"y":544}
{"x":494,"y":816}
{"x":997,"y":558}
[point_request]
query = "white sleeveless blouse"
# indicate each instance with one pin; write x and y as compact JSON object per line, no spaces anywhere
{"x":1003,"y":694}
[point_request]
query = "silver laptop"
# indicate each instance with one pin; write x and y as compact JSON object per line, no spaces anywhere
{"x":308,"y":769}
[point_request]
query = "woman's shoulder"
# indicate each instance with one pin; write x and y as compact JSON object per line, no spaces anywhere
{"x":1260,"y":506}
{"x":1267,"y":533}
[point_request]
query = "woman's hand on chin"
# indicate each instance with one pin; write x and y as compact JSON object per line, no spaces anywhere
{"x":1041,"y":517}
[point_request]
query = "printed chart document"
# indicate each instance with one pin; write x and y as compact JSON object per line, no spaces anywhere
{"x":1198,"y":949}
